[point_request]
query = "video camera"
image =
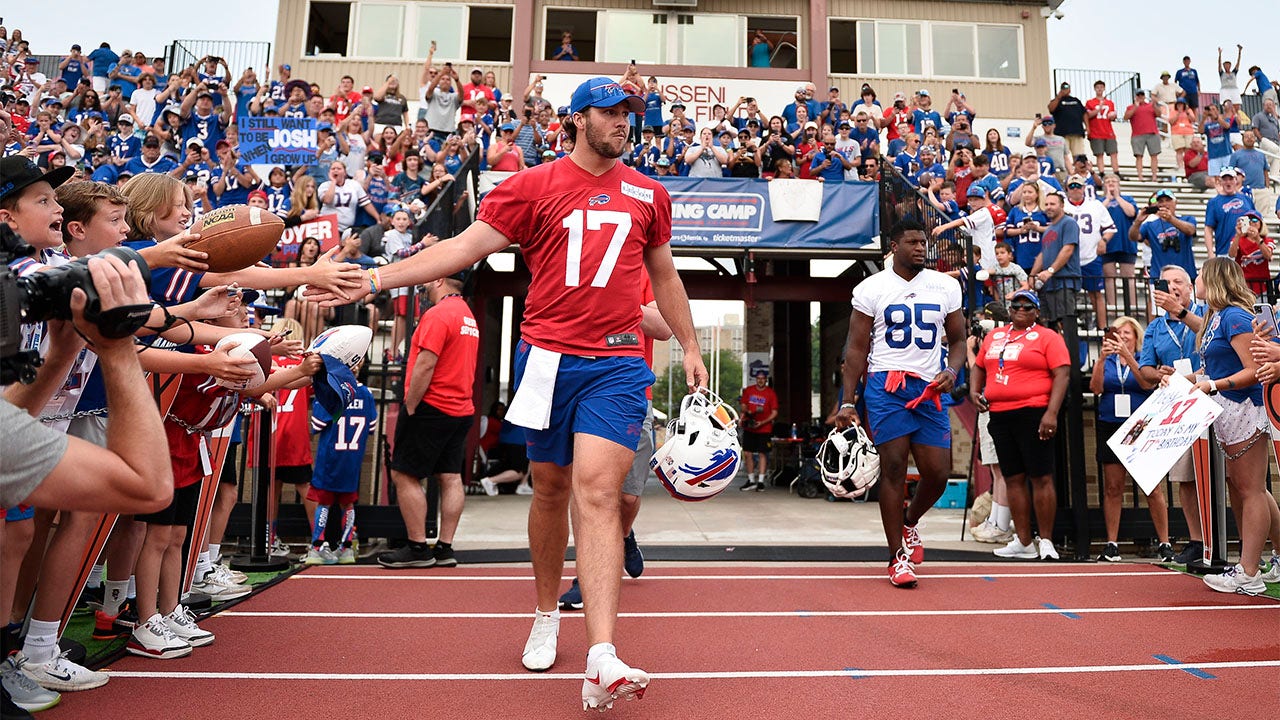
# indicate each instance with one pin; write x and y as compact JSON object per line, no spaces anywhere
{"x":46,"y":295}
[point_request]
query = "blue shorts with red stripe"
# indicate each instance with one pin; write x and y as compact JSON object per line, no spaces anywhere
{"x":602,"y":396}
{"x":21,"y":512}
{"x":888,"y":417}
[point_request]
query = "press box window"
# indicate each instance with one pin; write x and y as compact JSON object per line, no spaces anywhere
{"x":327,"y":26}
{"x":582,"y":23}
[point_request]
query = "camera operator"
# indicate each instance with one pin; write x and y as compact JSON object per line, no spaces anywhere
{"x":44,"y":467}
{"x":1169,"y":235}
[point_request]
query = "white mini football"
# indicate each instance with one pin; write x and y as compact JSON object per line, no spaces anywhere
{"x":347,"y":343}
{"x":248,"y":345}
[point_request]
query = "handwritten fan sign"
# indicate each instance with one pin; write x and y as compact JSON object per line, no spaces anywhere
{"x":323,"y":228}
{"x":1161,"y":431}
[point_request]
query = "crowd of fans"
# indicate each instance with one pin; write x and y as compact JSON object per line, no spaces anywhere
{"x":116,"y":117}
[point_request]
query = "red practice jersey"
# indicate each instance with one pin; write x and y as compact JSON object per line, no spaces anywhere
{"x":293,"y":419}
{"x":584,"y":239}
{"x":199,"y":406}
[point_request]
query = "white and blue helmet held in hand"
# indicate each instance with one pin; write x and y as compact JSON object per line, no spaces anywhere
{"x":701,"y":455}
{"x":849,"y":462}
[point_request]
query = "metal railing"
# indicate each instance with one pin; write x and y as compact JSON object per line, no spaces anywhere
{"x":1121,"y":84}
{"x":239,"y":54}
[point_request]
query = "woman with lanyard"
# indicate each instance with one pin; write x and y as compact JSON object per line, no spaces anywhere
{"x":1118,"y":382}
{"x":1020,"y":375}
{"x":1229,"y":372}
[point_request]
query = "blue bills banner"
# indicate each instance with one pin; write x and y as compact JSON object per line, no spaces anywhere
{"x":277,"y":140}
{"x":744,"y":213}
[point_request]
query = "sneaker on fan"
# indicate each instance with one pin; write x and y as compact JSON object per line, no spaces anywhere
{"x":182,"y":623}
{"x":632,"y":558}
{"x":1165,"y":552}
{"x":1273,"y":574}
{"x":347,"y":556}
{"x":490,"y":487}
{"x":524,"y":489}
{"x":572,"y":598}
{"x":320,"y":556}
{"x":1047,"y":551}
{"x":406,"y":556}
{"x":154,"y":639}
{"x":608,"y":679}
{"x":234,"y":576}
{"x":219,"y":590}
{"x":108,"y":627}
{"x":540,"y":649}
{"x":1015,"y":549}
{"x":902,"y":573}
{"x":987,"y":532}
{"x":911,"y":543}
{"x":279,"y":549}
{"x":1110,"y":553}
{"x":23,"y":691}
{"x":61,"y":674}
{"x":1234,"y":580}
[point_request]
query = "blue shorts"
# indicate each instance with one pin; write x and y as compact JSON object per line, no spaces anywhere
{"x":1091,"y":275}
{"x":602,"y":396}
{"x":888,"y":417}
{"x":21,"y":512}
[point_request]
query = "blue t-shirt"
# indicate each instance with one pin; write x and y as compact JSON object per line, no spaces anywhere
{"x":72,"y":73}
{"x":1217,"y":139}
{"x":922,"y":120}
{"x":1254,"y":165}
{"x":1189,"y":80}
{"x":936,"y":170}
{"x":1264,"y":83}
{"x":103,"y":59}
{"x":1118,"y":379}
{"x":991,"y":184}
{"x":127,"y":86}
{"x":760,"y":54}
{"x":235,"y":193}
{"x":867,"y":140}
{"x":341,"y":446}
{"x":1160,"y":234}
{"x":1057,"y":236}
{"x":999,"y":160}
{"x":106,"y":173}
{"x":1026,"y":247}
{"x":1120,"y":242}
{"x":137,"y":166}
{"x":244,"y":95}
{"x":1221,"y":214}
{"x":124,"y":147}
{"x":834,"y":173}
{"x":653,"y":110}
{"x":1167,"y":340}
{"x":896,"y":146}
{"x":1220,"y":358}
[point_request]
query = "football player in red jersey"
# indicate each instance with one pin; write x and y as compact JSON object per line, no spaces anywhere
{"x":588,"y":227}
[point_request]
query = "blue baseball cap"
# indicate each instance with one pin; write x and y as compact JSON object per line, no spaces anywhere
{"x":505,"y":127}
{"x":976,"y":191}
{"x":286,"y":66}
{"x":1028,"y":294}
{"x":1040,"y":142}
{"x":603,"y":92}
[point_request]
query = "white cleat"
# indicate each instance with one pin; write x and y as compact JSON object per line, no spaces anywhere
{"x":540,"y":650}
{"x":609,"y":679}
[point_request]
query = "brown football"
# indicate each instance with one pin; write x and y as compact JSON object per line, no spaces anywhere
{"x":236,"y":236}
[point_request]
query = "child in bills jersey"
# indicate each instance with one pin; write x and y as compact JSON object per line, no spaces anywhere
{"x":336,"y":480}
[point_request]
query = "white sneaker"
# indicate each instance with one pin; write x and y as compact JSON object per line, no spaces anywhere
{"x":182,"y":623}
{"x":1232,"y":581}
{"x":219,"y":590}
{"x":490,"y":488}
{"x":279,"y":549}
{"x":1272,"y":575}
{"x":347,"y":556}
{"x":154,"y":639}
{"x":1047,"y":551}
{"x":1015,"y":549}
{"x":320,"y":556}
{"x":61,"y":674}
{"x":987,"y":532}
{"x":23,"y":691}
{"x":524,"y":489}
{"x":234,"y":576}
{"x":608,"y":679}
{"x":540,"y":650}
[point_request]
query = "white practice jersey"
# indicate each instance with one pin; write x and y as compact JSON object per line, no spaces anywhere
{"x":1093,"y":219}
{"x":908,"y":319}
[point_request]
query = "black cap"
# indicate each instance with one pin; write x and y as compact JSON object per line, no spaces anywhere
{"x":151,"y":141}
{"x":17,"y":172}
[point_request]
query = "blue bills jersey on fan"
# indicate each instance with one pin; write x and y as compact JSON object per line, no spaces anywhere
{"x":908,"y":319}
{"x":340,"y":451}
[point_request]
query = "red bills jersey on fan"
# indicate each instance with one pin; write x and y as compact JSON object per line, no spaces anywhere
{"x":293,"y":419}
{"x":583,"y":238}
{"x":201,"y":404}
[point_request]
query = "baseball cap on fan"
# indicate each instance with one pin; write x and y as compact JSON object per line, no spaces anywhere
{"x":603,"y":92}
{"x":17,"y":172}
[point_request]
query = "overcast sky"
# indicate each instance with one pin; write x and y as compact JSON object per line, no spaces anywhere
{"x":1094,"y":34}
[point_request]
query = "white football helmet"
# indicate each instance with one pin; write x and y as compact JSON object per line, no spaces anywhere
{"x":849,"y":462}
{"x":701,"y":455}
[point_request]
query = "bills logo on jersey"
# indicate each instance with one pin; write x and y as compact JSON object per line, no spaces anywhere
{"x":1233,"y":205}
{"x":601,"y":199}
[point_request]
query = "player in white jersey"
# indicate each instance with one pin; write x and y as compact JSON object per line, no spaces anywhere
{"x":902,"y":318}
{"x":1096,"y":228}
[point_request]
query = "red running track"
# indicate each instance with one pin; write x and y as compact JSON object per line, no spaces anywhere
{"x":728,"y":641}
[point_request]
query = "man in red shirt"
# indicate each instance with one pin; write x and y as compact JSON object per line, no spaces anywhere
{"x":759,"y":408}
{"x":344,"y":99}
{"x":431,"y":433}
{"x":1101,"y":113}
{"x":588,"y":227}
{"x":1141,"y":116}
{"x":473,"y":91}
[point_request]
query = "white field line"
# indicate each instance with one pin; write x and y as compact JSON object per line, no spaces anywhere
{"x":879,"y":576}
